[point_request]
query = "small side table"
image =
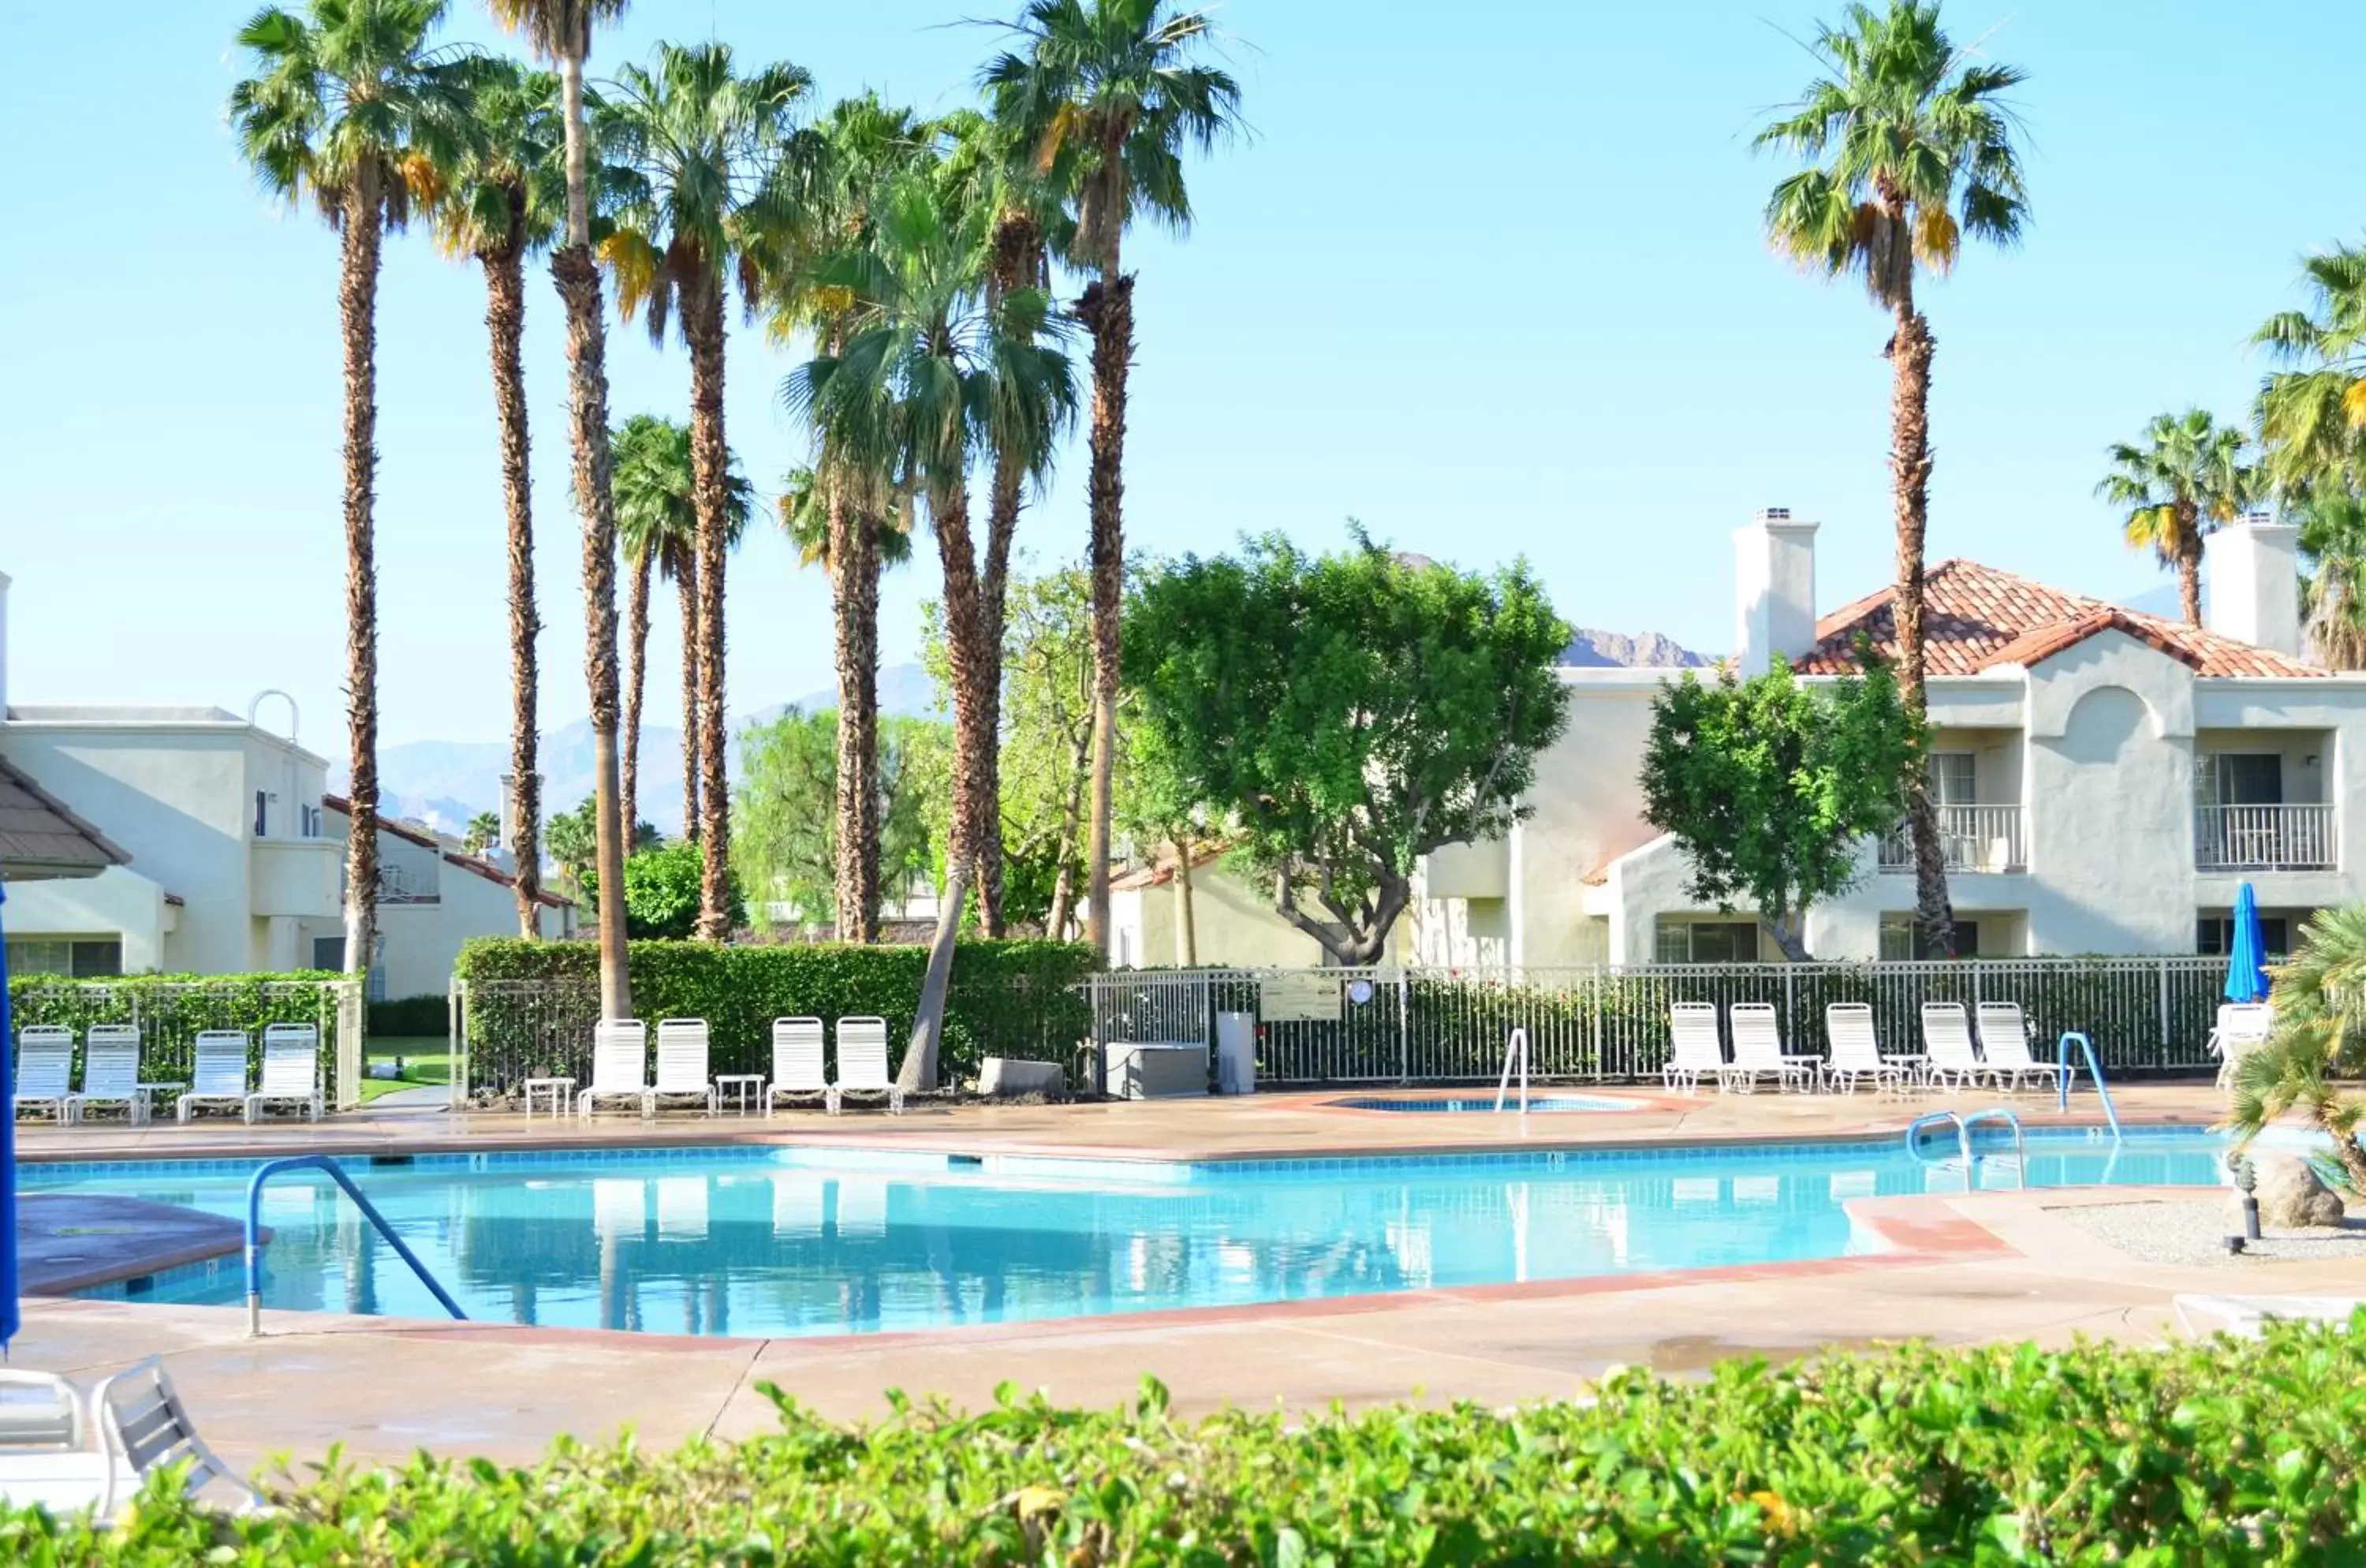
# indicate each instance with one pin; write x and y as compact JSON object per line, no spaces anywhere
{"x":149,"y":1091}
{"x":744,"y":1090}
{"x":561,"y":1092}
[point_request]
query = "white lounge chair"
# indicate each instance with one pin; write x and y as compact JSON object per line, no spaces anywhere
{"x":1694,"y":1053}
{"x":1856,"y":1052}
{"x":291,"y":1071}
{"x":620,"y":1066}
{"x":2246,"y":1316}
{"x":797,"y":1068}
{"x":110,"y":1072}
{"x":144,"y":1426}
{"x":862,"y":1063}
{"x":681,"y":1064}
{"x":2242,"y":1028}
{"x":47,"y":1456}
{"x":2004,"y":1048}
{"x":1758,"y":1051}
{"x":44,"y":1078}
{"x":219,"y":1077}
{"x":1947,"y":1041}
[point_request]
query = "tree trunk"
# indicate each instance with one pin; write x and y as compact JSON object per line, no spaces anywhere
{"x":1107,"y":309}
{"x":505,"y":324}
{"x":1018,"y":260}
{"x":1909,"y":470}
{"x":710,"y":465}
{"x":854,"y":585}
{"x":2189,"y":562}
{"x":685,"y":582}
{"x":1064,"y":887}
{"x":1790,"y":935}
{"x":1186,"y":924}
{"x":974,"y":668}
{"x":357,"y":313}
{"x":916,"y":1074}
{"x":578,"y":277}
{"x":636,"y":672}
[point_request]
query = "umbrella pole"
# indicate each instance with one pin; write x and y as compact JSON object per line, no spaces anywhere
{"x":10,"y":1318}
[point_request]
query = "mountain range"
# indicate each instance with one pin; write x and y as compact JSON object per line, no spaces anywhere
{"x":1590,"y":649}
{"x":445,"y":783}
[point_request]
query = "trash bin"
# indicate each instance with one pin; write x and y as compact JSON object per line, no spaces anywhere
{"x":1235,"y":1053}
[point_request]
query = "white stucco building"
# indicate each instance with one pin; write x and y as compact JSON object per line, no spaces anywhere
{"x":235,"y":853}
{"x":2106,"y":780}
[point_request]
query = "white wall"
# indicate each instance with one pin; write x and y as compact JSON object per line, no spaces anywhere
{"x":119,"y":902}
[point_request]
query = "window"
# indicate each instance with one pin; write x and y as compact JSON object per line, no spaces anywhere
{"x":1952,"y":777}
{"x":308,"y":821}
{"x":2242,"y":778}
{"x":1679,"y":941}
{"x":1898,"y":944}
{"x":262,"y":814}
{"x":328,"y":952}
{"x":80,"y":958}
{"x":2214,"y":935}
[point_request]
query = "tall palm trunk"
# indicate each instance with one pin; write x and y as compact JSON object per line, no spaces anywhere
{"x":357,"y":310}
{"x":973,"y":668}
{"x":709,"y":465}
{"x":1910,"y":348}
{"x":1107,"y":309}
{"x":1018,"y":261}
{"x":2189,"y":561}
{"x":505,"y":324}
{"x":636,"y":675}
{"x":686,"y":582}
{"x":1186,"y":927}
{"x":854,"y":586}
{"x":578,"y":277}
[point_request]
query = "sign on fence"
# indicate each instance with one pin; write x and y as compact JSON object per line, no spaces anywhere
{"x":1299,"y":999}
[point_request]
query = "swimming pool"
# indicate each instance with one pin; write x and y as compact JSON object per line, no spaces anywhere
{"x":790,"y":1241}
{"x":1465,"y":1104}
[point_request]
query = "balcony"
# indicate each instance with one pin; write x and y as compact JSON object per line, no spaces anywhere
{"x":295,"y":877}
{"x":1971,"y":838}
{"x":2264,"y":838}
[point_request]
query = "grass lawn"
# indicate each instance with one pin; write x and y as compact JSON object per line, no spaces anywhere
{"x":426,"y":1059}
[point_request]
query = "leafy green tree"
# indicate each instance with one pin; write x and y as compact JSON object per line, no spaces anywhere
{"x":2319,"y":1044}
{"x":1771,"y":788}
{"x":348,"y":108}
{"x":2333,"y":595}
{"x":571,"y":839}
{"x":500,"y":201}
{"x":2182,"y":482}
{"x":1101,"y":98}
{"x":1910,"y":152}
{"x":1349,"y":713}
{"x":664,"y":893}
{"x":701,"y":146}
{"x":656,"y":527}
{"x":784,"y":819}
{"x":2312,"y":414}
{"x":560,"y":31}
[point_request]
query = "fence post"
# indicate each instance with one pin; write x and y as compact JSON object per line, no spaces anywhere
{"x":1594,"y":1018}
{"x":456,"y":1003}
{"x":348,"y":995}
{"x":2160,"y":1048}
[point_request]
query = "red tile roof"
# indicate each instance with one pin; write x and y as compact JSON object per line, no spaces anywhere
{"x":403,"y":831}
{"x":493,"y":873}
{"x":1975,"y":617}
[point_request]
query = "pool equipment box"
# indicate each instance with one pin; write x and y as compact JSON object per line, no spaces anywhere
{"x":1235,"y":1053}
{"x":1144,"y":1069}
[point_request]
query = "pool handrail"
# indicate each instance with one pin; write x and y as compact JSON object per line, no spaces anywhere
{"x":1517,"y":1045}
{"x":336,"y":1173}
{"x":2094,"y":1070}
{"x":1963,"y":1125}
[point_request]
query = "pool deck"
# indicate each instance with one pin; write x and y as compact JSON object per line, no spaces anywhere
{"x":1960,"y":1269}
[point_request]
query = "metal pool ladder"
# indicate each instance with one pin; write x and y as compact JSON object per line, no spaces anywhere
{"x":2094,"y":1070}
{"x":1964,"y":1125}
{"x":1517,"y":1046}
{"x":336,"y":1172}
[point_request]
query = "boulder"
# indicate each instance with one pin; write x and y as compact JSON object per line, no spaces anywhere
{"x":2291,"y":1195}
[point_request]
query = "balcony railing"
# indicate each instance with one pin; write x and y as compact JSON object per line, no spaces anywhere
{"x":2264,"y":838}
{"x":1971,"y":838}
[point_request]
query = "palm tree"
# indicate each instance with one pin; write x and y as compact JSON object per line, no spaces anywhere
{"x":2312,"y":418}
{"x":852,"y":505}
{"x":560,"y":31}
{"x":657,"y":526}
{"x":1921,"y":157}
{"x":2182,"y":482}
{"x":1106,"y":95}
{"x":804,"y":520}
{"x":500,"y":202}
{"x":2319,"y":1040}
{"x":703,"y":145}
{"x":347,"y":108}
{"x":927,"y":370}
{"x":2333,"y":596}
{"x":484,"y":831}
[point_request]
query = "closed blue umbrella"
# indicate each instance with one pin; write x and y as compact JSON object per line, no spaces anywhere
{"x":2246,"y":973}
{"x":9,"y":1320}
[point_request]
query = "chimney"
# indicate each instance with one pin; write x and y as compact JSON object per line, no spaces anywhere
{"x":1774,"y":589}
{"x":4,"y":647}
{"x":2253,"y":576}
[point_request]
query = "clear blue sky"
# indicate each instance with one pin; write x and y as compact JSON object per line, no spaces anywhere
{"x":1489,"y":278}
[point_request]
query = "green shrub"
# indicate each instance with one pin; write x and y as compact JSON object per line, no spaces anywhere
{"x":531,"y":1005}
{"x":429,"y":1015}
{"x":2220,"y":1452}
{"x":171,"y":1009}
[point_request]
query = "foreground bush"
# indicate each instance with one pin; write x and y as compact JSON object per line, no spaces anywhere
{"x":2213,"y":1453}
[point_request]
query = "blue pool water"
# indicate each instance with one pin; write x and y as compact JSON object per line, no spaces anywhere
{"x":784,"y":1241}
{"x":1469,"y":1104}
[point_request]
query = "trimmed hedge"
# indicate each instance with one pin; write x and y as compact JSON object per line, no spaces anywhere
{"x":2220,"y":1452}
{"x":171,"y":1009}
{"x":428,"y":1015}
{"x":531,"y":1005}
